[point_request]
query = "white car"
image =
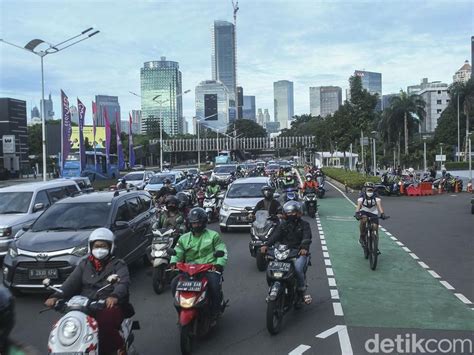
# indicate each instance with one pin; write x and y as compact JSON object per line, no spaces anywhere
{"x":138,"y":179}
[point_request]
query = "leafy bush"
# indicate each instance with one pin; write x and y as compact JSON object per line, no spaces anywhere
{"x":352,"y":179}
{"x":457,"y":165}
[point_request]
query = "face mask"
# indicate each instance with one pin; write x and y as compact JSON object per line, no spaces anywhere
{"x":291,"y":218}
{"x":171,"y":208}
{"x":370,"y":194}
{"x":100,"y":253}
{"x":308,"y":179}
{"x":198,"y":230}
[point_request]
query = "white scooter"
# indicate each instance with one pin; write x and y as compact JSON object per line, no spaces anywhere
{"x":163,"y":240}
{"x":77,"y":332}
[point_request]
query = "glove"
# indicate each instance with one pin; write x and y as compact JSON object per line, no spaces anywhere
{"x":382,"y":216}
{"x":173,"y":266}
{"x":218,"y":268}
{"x":357,"y":215}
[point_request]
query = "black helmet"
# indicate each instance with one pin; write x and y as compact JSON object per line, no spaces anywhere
{"x":197,"y":216}
{"x":182,"y":198}
{"x":7,"y":314}
{"x":293,"y":210}
{"x":267,"y":191}
{"x":171,"y":200}
{"x":167,"y":181}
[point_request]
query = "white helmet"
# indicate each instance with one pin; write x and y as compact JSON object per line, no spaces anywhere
{"x":411,"y":170}
{"x":103,"y":234}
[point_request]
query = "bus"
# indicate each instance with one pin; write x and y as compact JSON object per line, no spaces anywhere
{"x":223,"y":157}
{"x":98,"y":171}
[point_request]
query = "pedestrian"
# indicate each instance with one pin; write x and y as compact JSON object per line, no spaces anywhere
{"x":34,"y":172}
{"x":433,"y":171}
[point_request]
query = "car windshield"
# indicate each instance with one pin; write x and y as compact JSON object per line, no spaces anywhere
{"x":133,"y":176}
{"x":224,"y":169}
{"x":248,"y":190}
{"x":73,"y":216}
{"x":160,"y":179}
{"x":273,"y":167}
{"x":15,"y":202}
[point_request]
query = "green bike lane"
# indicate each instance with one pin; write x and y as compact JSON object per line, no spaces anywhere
{"x":399,"y":297}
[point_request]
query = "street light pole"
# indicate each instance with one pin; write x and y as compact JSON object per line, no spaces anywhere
{"x":198,"y":121}
{"x":470,"y":159}
{"x":374,"y":152}
{"x":459,"y":137}
{"x":424,"y":153}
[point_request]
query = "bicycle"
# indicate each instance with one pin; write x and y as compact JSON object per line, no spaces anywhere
{"x":371,"y":240}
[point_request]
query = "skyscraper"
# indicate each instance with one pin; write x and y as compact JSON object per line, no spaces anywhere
{"x":372,"y":82}
{"x":137,"y":122}
{"x":283,"y":102}
{"x":212,"y":101}
{"x":48,"y":108}
{"x":112,"y":105}
{"x":162,"y":80}
{"x":35,"y":112}
{"x":260,"y":117}
{"x":248,"y":112}
{"x":224,"y":58}
{"x":324,"y":100}
{"x":74,"y":114}
{"x":266,"y":117}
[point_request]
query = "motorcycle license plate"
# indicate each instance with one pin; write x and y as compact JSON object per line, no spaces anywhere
{"x":193,"y":286}
{"x":279,"y":266}
{"x":161,"y":239}
{"x":39,"y":274}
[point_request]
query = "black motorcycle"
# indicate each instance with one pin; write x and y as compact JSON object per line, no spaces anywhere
{"x":261,"y":229}
{"x":310,"y":202}
{"x":321,"y":189}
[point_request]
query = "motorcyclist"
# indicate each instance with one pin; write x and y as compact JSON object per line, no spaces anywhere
{"x":198,"y":247}
{"x":166,"y":190}
{"x":268,"y":203}
{"x":122,"y":184}
{"x":214,"y":189}
{"x":172,"y":217}
{"x":89,"y":276}
{"x":309,"y":184}
{"x":295,"y":233}
{"x":189,"y":183}
{"x":7,"y":321}
{"x":368,"y":205}
{"x":289,"y":182}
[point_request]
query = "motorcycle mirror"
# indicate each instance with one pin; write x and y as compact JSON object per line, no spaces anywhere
{"x":219,"y":254}
{"x":113,"y":279}
{"x":46,"y":282}
{"x":171,"y":251}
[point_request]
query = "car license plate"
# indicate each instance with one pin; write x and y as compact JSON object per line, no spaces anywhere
{"x":193,"y":286}
{"x":279,"y":266}
{"x":36,"y":274}
{"x":161,"y":239}
{"x":244,"y":219}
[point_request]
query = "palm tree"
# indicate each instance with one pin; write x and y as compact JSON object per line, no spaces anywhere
{"x":410,"y":108}
{"x":465,"y":93}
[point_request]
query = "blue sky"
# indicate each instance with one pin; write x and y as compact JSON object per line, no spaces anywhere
{"x":309,"y":42}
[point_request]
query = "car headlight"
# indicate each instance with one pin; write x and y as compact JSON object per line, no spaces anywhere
{"x":225,"y":207}
{"x":80,"y":250}
{"x":13,"y":251}
{"x":282,"y":255}
{"x":5,"y":231}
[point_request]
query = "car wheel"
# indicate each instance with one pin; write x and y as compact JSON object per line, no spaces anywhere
{"x":472,"y":209}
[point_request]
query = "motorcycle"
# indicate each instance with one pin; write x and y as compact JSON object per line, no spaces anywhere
{"x":200,"y":198}
{"x":191,"y":195}
{"x":311,"y":203}
{"x":260,"y":231}
{"x":291,"y":194}
{"x":192,"y":302}
{"x":210,"y":206}
{"x":281,"y":279}
{"x":77,"y":331}
{"x":163,"y":240}
{"x":321,"y":183}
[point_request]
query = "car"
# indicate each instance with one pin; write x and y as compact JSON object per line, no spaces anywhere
{"x":24,"y":203}
{"x":54,"y":244}
{"x":241,"y":197}
{"x":83,"y":182}
{"x":222,"y":173}
{"x":193,"y":171}
{"x":138,"y":179}
{"x":156,"y":181}
{"x":272,"y":169}
{"x":261,"y":164}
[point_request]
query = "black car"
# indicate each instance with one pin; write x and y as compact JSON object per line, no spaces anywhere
{"x":53,"y":245}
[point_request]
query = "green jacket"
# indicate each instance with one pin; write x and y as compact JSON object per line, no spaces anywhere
{"x":200,"y":250}
{"x":213,"y":189}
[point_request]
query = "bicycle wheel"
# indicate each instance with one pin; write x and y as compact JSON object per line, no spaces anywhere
{"x":373,"y":249}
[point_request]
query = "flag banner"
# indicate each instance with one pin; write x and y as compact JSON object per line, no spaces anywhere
{"x":82,"y":148}
{"x":121,"y":162}
{"x":65,"y":127}
{"x":108,"y":135}
{"x":131,"y":152}
{"x":94,"y":118}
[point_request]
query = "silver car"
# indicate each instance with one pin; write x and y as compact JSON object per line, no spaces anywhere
{"x":221,"y":173}
{"x":241,"y":197}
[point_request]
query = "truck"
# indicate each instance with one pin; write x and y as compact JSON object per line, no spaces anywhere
{"x":223,"y":157}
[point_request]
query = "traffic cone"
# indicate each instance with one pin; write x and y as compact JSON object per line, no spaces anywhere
{"x":456,"y":187}
{"x":402,"y":188}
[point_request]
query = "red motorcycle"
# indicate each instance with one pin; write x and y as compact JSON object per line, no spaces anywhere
{"x":200,"y":197}
{"x":192,"y":302}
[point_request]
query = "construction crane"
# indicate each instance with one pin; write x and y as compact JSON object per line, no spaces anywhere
{"x":235,"y":6}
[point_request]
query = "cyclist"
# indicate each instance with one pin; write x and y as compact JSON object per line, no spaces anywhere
{"x":368,"y":206}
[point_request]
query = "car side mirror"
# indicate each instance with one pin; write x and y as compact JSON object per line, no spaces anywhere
{"x":119,"y":225}
{"x":27,"y":226}
{"x":38,"y":207}
{"x":219,"y":254}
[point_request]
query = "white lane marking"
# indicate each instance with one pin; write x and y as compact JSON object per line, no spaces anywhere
{"x":434,"y":274}
{"x":463,"y":298}
{"x":382,"y":228}
{"x":330,"y":331}
{"x":337,"y":309}
{"x":388,"y":233}
{"x":423,"y":265}
{"x":325,"y":254}
{"x":323,"y":242}
{"x":300,"y":349}
{"x":447,"y":285}
{"x":414,"y":256}
{"x":325,"y":248}
{"x":406,"y":249}
{"x":334,"y":294}
{"x":400,"y":243}
{"x":332,"y":282}
{"x":327,"y":262}
{"x":393,"y":238}
{"x":343,"y":335}
{"x":322,"y":236}
{"x":329,"y":271}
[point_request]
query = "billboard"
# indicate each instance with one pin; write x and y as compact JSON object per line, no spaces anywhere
{"x":8,"y":144}
{"x":210,"y":107}
{"x":89,"y":134}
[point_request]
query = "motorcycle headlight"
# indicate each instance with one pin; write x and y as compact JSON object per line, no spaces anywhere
{"x":282,"y":255}
{"x":69,"y":331}
{"x":13,"y":251}
{"x":80,"y":250}
{"x":186,"y":302}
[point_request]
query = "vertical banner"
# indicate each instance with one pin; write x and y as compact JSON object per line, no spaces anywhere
{"x":131,"y":152}
{"x":108,"y":135}
{"x":65,"y":128}
{"x":94,"y":144}
{"x":82,"y":148}
{"x":121,"y":162}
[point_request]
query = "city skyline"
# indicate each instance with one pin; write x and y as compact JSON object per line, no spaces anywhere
{"x":404,"y":51}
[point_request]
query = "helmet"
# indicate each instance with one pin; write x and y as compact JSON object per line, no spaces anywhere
{"x":267,"y":191}
{"x":167,"y":181}
{"x":308,"y":176}
{"x":369,"y":185}
{"x":7,"y":313}
{"x":213,"y":182}
{"x":171,"y":200}
{"x":197,"y":216}
{"x":293,"y":210}
{"x":411,"y":170}
{"x":205,"y":178}
{"x":182,"y":199}
{"x":103,"y":234}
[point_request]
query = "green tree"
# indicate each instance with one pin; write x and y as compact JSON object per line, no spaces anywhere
{"x":34,"y":140}
{"x":247,"y":128}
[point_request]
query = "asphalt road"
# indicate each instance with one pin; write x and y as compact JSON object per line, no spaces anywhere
{"x":387,"y":302}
